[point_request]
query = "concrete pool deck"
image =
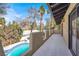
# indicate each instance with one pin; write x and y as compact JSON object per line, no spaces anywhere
{"x":54,"y":46}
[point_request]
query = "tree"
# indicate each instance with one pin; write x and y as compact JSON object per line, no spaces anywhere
{"x":3,"y":11}
{"x":49,"y":14}
{"x":42,"y":11}
{"x":2,"y":21}
{"x":34,"y":25}
{"x":9,"y":24}
{"x":47,"y":25}
{"x":33,"y":16}
{"x":15,"y":26}
{"x":3,"y":7}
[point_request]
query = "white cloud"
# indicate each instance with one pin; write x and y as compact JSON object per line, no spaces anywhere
{"x":11,"y":15}
{"x":12,"y":11}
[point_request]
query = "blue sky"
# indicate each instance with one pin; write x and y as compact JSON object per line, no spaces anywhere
{"x":18,"y":11}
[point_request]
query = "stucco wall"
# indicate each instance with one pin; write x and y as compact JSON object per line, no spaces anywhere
{"x":65,"y":22}
{"x":37,"y":40}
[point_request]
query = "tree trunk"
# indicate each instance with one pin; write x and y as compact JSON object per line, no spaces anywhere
{"x":31,"y":27}
{"x":1,"y":50}
{"x":41,"y":29}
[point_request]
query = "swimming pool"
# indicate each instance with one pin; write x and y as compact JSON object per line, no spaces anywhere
{"x":19,"y":50}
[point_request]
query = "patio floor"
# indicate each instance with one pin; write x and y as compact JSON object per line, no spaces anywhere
{"x":54,"y":46}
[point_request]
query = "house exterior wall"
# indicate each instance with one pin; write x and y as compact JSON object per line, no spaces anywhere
{"x":65,"y":22}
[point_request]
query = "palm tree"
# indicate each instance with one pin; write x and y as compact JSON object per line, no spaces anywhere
{"x":42,"y":11}
{"x":50,"y":20}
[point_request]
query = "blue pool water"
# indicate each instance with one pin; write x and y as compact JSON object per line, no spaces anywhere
{"x":19,"y":50}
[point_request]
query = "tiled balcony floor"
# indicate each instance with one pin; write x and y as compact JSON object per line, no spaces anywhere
{"x":54,"y":46}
